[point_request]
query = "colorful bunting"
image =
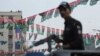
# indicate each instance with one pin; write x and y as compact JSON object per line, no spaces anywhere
{"x":31,"y":20}
{"x":22,"y":25}
{"x":10,"y":26}
{"x":43,"y":15}
{"x":38,"y":29}
{"x":57,"y":32}
{"x":84,"y":2}
{"x":56,"y":13}
{"x":1,"y":23}
{"x":53,"y":30}
{"x":32,"y":27}
{"x":50,"y":13}
{"x":30,"y":35}
{"x":48,"y":31}
{"x":35,"y":36}
{"x":93,"y":2}
{"x":43,"y":28}
{"x":74,"y":4}
{"x":17,"y":30}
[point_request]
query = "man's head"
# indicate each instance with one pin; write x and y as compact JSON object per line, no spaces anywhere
{"x":64,"y":9}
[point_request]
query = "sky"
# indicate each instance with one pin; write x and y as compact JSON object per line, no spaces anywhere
{"x":29,"y":7}
{"x":33,"y":7}
{"x":88,"y":15}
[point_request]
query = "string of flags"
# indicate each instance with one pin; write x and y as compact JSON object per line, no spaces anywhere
{"x":40,"y":29}
{"x":47,"y":14}
{"x":22,"y":25}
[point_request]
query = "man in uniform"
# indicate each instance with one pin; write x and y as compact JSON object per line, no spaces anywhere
{"x":72,"y":35}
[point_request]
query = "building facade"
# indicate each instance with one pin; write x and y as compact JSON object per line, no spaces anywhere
{"x":8,"y":40}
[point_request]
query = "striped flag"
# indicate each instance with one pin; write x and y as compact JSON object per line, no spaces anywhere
{"x":43,"y":15}
{"x":31,"y":19}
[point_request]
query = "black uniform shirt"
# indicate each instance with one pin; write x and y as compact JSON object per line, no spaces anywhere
{"x":72,"y":34}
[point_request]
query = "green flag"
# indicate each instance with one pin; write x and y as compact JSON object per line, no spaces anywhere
{"x":56,"y":13}
{"x":84,"y":2}
{"x":31,"y":20}
{"x":43,"y":15}
{"x":93,"y":2}
{"x":48,"y":31}
{"x":10,"y":26}
{"x":32,"y":27}
{"x":50,"y":13}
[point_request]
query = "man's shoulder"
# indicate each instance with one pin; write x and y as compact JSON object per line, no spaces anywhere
{"x":76,"y":22}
